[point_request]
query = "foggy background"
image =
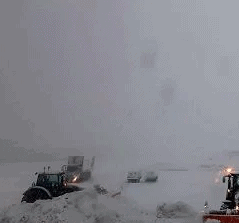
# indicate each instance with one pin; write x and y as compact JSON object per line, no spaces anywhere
{"x":146,"y":81}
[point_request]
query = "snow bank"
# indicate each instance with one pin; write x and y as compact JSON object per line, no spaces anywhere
{"x":175,"y":210}
{"x":210,"y":167}
{"x":86,"y":206}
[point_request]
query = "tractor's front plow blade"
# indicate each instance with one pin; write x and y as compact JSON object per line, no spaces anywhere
{"x":221,"y":218}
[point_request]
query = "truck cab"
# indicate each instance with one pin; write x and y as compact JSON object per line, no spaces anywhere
{"x":53,"y":182}
{"x":78,"y":169}
{"x":232,"y":194}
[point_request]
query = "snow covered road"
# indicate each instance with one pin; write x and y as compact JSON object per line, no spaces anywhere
{"x":192,"y":187}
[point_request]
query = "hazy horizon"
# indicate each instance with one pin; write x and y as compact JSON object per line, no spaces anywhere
{"x":147,"y":81}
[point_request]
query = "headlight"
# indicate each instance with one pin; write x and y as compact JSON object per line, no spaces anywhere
{"x":74,"y":179}
{"x":227,"y":170}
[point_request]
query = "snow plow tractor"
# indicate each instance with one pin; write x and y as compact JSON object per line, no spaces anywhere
{"x":48,"y":185}
{"x":229,"y":211}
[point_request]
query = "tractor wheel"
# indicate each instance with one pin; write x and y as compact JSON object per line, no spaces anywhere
{"x":42,"y":196}
{"x":33,"y":196}
{"x":28,"y":199}
{"x":24,"y":199}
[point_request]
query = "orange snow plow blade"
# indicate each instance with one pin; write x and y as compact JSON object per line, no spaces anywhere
{"x":221,"y":218}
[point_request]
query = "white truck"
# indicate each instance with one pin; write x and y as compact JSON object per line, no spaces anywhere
{"x":78,"y":170}
{"x":134,"y":176}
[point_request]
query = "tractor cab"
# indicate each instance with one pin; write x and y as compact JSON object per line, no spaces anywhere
{"x":232,"y":190}
{"x":44,"y":179}
{"x":54,"y":182}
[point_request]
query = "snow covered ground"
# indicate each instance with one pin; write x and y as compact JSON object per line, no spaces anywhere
{"x":183,"y":192}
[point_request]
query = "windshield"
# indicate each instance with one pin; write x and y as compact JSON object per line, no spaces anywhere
{"x":133,"y":174}
{"x":51,"y":178}
{"x":72,"y":168}
{"x":236,"y":181}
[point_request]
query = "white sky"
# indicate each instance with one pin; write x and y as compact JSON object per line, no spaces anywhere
{"x":78,"y":80}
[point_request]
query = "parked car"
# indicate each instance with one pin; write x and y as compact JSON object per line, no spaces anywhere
{"x":151,"y":177}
